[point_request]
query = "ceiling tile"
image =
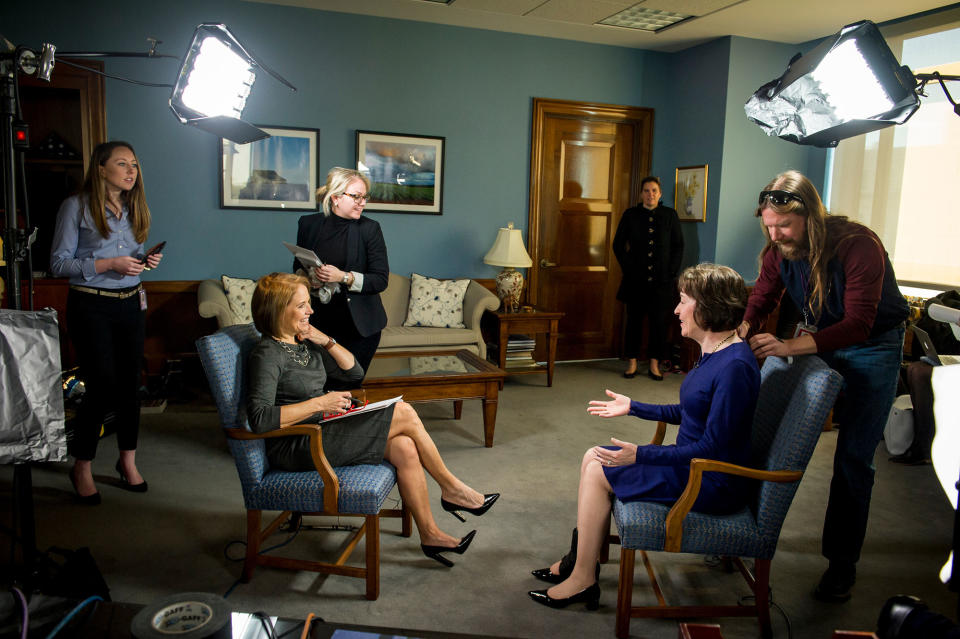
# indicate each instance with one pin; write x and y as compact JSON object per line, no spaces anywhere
{"x":690,"y":7}
{"x":579,"y":11}
{"x":510,"y":7}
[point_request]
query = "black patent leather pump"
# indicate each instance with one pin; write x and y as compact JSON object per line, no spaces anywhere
{"x":455,"y":509}
{"x":433,"y":552}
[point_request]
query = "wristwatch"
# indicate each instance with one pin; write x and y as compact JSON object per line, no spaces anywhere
{"x":346,"y":278}
{"x":330,"y":343}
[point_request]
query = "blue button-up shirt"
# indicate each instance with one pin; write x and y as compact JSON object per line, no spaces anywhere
{"x":77,"y":245}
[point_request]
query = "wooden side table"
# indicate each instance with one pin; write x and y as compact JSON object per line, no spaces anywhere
{"x":535,"y":322}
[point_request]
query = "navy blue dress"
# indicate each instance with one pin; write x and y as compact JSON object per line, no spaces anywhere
{"x":715,"y":413}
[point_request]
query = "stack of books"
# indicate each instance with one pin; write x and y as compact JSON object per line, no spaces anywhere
{"x":520,"y":352}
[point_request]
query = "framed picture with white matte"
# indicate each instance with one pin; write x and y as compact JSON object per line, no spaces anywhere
{"x":276,"y":173}
{"x":690,"y":193}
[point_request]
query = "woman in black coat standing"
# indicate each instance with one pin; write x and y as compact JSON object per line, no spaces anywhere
{"x":649,"y":247}
{"x":355,"y":268}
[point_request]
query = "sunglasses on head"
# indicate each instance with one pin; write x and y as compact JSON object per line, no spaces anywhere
{"x":780,"y":197}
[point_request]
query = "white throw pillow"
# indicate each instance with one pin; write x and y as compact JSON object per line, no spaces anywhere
{"x":239,"y":295}
{"x":436,"y":303}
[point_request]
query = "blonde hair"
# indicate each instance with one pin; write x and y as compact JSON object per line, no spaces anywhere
{"x":720,"y":294}
{"x":135,"y":198}
{"x":823,"y":231}
{"x":338,"y":179}
{"x":270,"y":299}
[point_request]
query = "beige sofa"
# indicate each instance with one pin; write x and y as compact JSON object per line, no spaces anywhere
{"x":212,"y":302}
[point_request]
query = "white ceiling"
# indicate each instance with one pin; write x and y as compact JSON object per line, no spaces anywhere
{"x":788,"y":21}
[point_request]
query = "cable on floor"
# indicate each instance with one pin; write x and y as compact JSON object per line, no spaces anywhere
{"x":744,"y":599}
{"x":80,"y":606}
{"x":24,"y":612}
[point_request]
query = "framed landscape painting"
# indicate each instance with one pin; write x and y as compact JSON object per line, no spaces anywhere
{"x":690,"y":193}
{"x":405,"y":171}
{"x":276,"y":173}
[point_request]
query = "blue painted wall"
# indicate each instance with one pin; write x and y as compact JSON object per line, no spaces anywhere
{"x":750,"y":158}
{"x":471,"y":86}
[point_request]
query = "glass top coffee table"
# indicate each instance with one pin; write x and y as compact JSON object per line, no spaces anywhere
{"x":437,"y":376}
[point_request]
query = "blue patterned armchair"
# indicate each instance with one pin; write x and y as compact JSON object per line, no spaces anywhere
{"x":792,"y":408}
{"x":350,"y":491}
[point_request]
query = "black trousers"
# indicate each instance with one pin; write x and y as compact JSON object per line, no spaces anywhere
{"x":656,"y":305}
{"x":335,"y":320}
{"x":107,"y":335}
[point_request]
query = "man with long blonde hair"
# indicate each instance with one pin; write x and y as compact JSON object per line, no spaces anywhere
{"x":839,"y":276}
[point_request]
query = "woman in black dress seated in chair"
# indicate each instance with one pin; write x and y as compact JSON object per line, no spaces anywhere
{"x":288,"y":370}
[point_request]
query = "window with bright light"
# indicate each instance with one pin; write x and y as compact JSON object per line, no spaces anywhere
{"x":903,"y":181}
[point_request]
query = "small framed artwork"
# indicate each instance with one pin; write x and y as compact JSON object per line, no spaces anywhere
{"x":405,"y":171}
{"x":277,"y":173}
{"x":690,"y":193}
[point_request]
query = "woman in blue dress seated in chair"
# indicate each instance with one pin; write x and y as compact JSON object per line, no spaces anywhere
{"x":715,"y":413}
{"x":288,"y":371}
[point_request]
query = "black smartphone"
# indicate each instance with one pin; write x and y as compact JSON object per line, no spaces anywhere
{"x":156,"y":249}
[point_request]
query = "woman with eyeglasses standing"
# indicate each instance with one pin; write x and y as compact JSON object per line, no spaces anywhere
{"x":98,"y":244}
{"x":355,"y":268}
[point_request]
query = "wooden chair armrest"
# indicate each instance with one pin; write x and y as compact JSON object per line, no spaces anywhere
{"x":331,"y":484}
{"x":674,"y":524}
{"x":660,"y":433}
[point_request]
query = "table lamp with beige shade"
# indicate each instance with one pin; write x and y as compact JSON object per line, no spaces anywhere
{"x":508,"y":252}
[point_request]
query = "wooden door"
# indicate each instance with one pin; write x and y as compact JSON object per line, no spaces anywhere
{"x":586,"y":165}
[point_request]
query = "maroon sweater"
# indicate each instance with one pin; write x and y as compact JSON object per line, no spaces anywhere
{"x":863,"y":299}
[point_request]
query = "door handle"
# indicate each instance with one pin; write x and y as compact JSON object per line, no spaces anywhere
{"x":545,"y":264}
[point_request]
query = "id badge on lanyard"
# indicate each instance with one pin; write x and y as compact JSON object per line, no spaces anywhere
{"x":143,"y":299}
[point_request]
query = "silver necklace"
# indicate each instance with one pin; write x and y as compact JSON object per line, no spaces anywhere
{"x":717,"y":347}
{"x":298,"y":353}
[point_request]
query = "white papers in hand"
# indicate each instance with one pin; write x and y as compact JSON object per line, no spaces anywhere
{"x":366,"y":409}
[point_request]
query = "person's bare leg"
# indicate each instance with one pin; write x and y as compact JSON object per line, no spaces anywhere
{"x":82,"y":475}
{"x":129,"y":466}
{"x":631,"y":366}
{"x":401,"y":451}
{"x":587,"y":458}
{"x":406,"y":422}
{"x":593,"y":520}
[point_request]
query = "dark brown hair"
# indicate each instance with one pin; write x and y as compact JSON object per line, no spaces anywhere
{"x":650,"y":178}
{"x":135,"y":198}
{"x":719,"y":292}
{"x":270,"y":299}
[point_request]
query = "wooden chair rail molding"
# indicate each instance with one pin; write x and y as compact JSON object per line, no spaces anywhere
{"x":173,"y":324}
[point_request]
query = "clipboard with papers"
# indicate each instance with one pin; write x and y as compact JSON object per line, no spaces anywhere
{"x":309,"y":260}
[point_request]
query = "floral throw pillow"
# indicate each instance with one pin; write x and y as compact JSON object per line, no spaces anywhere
{"x":436,"y":303}
{"x":239,"y":295}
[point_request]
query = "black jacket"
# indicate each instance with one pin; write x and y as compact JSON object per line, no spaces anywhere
{"x":633,"y":243}
{"x":367,"y":254}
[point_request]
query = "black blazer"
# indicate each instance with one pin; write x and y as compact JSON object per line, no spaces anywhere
{"x":631,"y":243}
{"x":367,"y":254}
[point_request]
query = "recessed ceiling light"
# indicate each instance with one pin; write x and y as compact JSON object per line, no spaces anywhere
{"x":637,"y":17}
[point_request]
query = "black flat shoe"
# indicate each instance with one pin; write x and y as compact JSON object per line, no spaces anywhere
{"x":910,"y":459}
{"x":589,"y":596}
{"x":455,"y":510}
{"x":654,"y":376}
{"x":134,"y":488}
{"x":85,"y":500}
{"x":433,"y":552}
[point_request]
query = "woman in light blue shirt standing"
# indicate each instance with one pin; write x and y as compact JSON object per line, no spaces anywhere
{"x":98,"y":244}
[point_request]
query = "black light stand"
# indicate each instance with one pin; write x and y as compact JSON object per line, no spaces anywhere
{"x":17,"y":246}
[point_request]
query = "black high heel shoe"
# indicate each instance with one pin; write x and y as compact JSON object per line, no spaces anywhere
{"x":589,"y":595}
{"x":134,"y":488}
{"x":566,"y":565}
{"x":85,"y":500}
{"x":455,"y":509}
{"x":433,"y":552}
